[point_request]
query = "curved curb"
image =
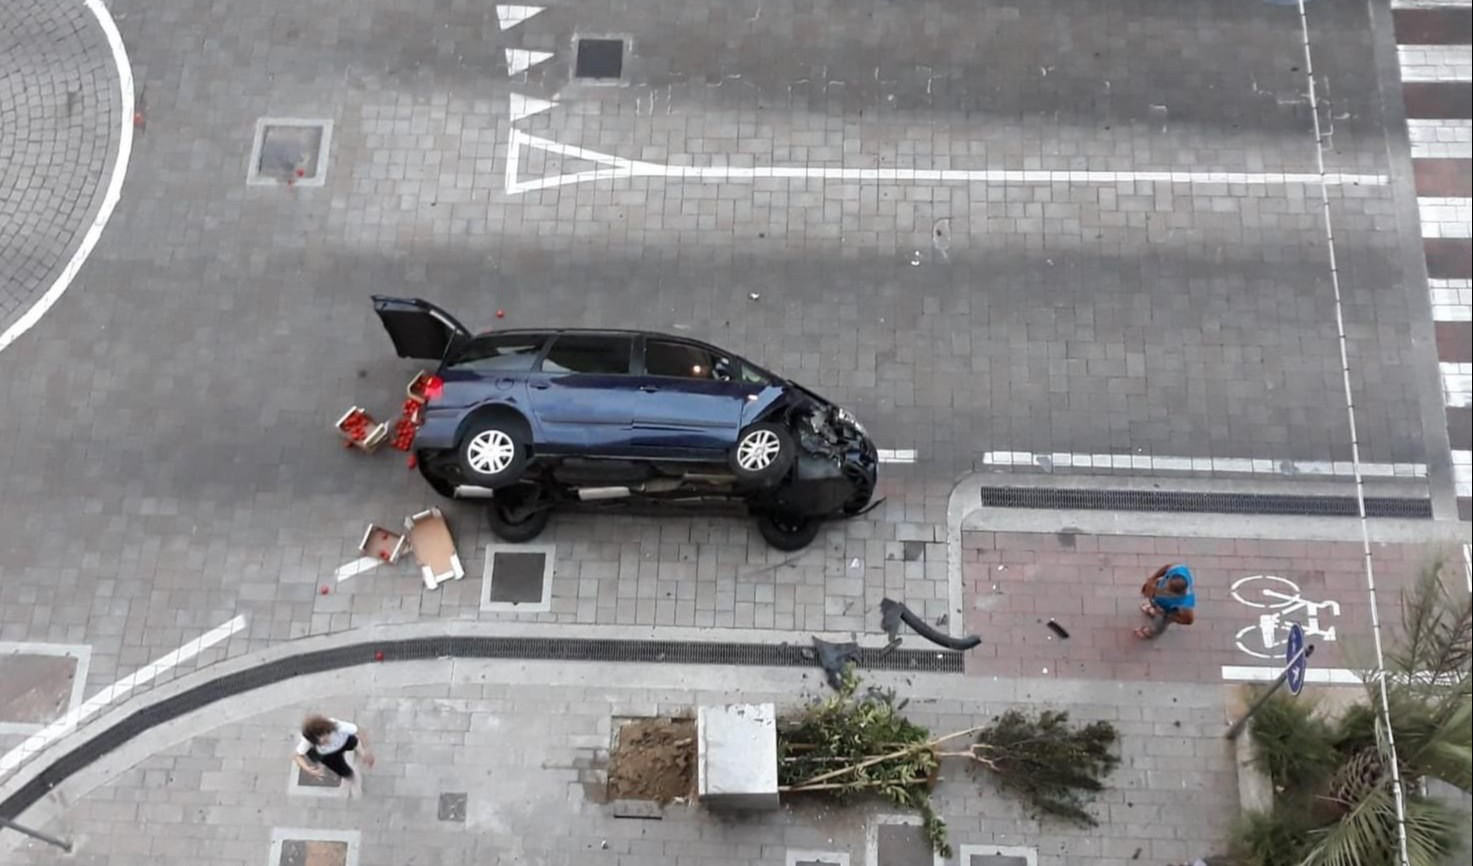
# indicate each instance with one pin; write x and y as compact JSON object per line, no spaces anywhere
{"x":110,"y":197}
{"x":149,"y":716}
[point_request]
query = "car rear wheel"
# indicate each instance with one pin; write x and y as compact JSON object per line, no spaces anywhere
{"x":518,"y":513}
{"x":493,"y":452}
{"x":763,"y":453}
{"x":787,"y":531}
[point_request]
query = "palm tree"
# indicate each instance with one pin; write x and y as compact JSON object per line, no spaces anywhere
{"x":1340,"y":807}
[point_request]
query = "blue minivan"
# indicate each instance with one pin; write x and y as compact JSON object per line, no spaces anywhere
{"x":533,"y":418}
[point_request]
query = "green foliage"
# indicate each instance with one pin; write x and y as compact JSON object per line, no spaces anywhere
{"x":1292,"y":745}
{"x":845,"y":730}
{"x":1275,"y":838}
{"x":1053,"y":767}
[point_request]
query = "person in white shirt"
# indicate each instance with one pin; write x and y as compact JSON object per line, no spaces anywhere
{"x":326,"y":742}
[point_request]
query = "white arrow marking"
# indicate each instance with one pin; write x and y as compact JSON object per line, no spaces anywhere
{"x":617,"y":168}
{"x":357,"y":567}
{"x":526,"y":106}
{"x":520,"y":60}
{"x":511,"y":16}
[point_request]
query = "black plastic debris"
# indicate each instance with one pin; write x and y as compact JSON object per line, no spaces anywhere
{"x":1058,"y":629}
{"x":893,"y":613}
{"x":833,"y":658}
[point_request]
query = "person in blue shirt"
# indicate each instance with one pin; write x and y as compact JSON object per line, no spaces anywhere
{"x":1171,"y":597}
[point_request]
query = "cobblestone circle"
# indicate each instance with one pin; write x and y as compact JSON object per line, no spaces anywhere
{"x":58,"y":131}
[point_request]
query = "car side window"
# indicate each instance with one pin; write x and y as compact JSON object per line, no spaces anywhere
{"x":500,"y":352}
{"x":753,"y":376}
{"x":681,"y":360}
{"x":603,"y":354}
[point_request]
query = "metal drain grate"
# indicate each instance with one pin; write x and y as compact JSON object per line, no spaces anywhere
{"x":1202,"y":503}
{"x":654,"y":652}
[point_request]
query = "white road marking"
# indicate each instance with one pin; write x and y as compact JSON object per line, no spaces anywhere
{"x":1435,"y":62}
{"x":1452,"y":300}
{"x":1457,"y":383}
{"x":1322,"y":676}
{"x":1440,"y":139}
{"x":114,"y":190}
{"x":510,"y":16}
{"x":1242,"y":465}
{"x":1428,"y":4}
{"x":520,"y":60}
{"x":525,"y":106}
{"x":357,"y":567}
{"x":67,"y":723}
{"x":900,"y":455}
{"x":1462,"y":472}
{"x":612,"y":167}
{"x":1445,"y":217}
{"x":1285,"y":604}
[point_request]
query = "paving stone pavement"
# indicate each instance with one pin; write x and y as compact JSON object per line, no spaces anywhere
{"x":172,"y":465}
{"x":526,"y":744}
{"x":58,"y":134}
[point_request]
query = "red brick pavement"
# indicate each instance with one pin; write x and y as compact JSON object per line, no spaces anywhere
{"x":1015,"y":582}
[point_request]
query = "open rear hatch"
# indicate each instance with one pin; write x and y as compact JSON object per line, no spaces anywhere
{"x":418,"y":328}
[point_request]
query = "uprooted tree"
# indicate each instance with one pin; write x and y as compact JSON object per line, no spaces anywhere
{"x":853,"y":744}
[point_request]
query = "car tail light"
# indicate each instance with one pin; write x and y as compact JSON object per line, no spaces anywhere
{"x":434,"y":388}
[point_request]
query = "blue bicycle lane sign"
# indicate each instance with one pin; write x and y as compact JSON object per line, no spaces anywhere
{"x":1296,"y":660}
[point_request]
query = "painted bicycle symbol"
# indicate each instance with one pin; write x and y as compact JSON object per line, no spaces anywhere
{"x":1281,"y":600}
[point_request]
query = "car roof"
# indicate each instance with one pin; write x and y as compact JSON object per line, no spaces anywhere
{"x":625,"y":332}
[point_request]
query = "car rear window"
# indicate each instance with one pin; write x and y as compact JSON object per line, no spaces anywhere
{"x":500,"y":352}
{"x":605,"y":354}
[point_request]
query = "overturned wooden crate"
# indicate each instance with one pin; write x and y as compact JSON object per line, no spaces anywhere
{"x":360,"y":430}
{"x":382,"y":544}
{"x":434,"y":548}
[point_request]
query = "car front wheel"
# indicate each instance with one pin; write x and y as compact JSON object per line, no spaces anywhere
{"x":493,"y":453}
{"x":786,"y":531}
{"x":763,"y":453}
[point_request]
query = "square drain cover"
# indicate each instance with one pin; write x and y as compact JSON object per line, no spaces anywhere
{"x":903,"y":845}
{"x":599,"y":58}
{"x":518,"y":578}
{"x":452,"y":808}
{"x":329,"y":779}
{"x":289,"y":151}
{"x":313,"y":852}
{"x":35,"y":689}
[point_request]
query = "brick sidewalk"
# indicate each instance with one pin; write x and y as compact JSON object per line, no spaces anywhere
{"x":1015,"y":582}
{"x":496,"y":764}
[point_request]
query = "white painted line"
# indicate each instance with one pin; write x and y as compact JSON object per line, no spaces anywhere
{"x":63,"y":726}
{"x":1445,"y":217}
{"x":1457,"y":383}
{"x":114,"y":190}
{"x":524,"y":106}
{"x":1452,"y":300}
{"x":612,"y":167}
{"x":897,"y":455}
{"x":1435,"y":62}
{"x":520,"y":60}
{"x":510,"y":16}
{"x":357,"y":567}
{"x":1440,"y":139}
{"x":1238,"y":465}
{"x":1429,"y":4}
{"x":1323,"y":676}
{"x":1462,"y":472}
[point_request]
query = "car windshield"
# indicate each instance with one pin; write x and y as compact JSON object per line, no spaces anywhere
{"x":499,"y":352}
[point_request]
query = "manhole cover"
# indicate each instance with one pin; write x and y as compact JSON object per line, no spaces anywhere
{"x":35,"y":689}
{"x":328,"y":779}
{"x":599,"y":58}
{"x":290,"y":151}
{"x":313,"y":852}
{"x":903,"y":845}
{"x":452,"y":808}
{"x":517,"y":579}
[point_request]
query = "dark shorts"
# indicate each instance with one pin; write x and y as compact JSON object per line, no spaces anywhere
{"x":335,"y":761}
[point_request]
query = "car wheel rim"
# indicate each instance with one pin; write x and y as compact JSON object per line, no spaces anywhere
{"x":758,"y":450}
{"x":490,"y":452}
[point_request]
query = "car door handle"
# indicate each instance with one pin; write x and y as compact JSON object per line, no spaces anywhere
{"x":541,"y":386}
{"x":648,"y":389}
